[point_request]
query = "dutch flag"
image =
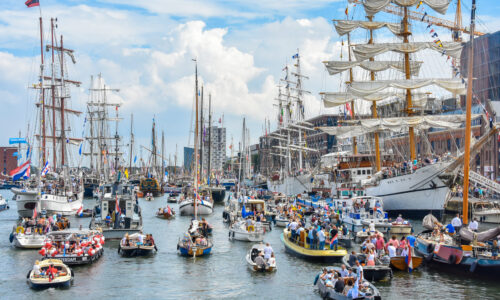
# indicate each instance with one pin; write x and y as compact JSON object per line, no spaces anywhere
{"x":80,"y":211}
{"x":409,"y":261}
{"x":46,"y":169}
{"x":22,"y":171}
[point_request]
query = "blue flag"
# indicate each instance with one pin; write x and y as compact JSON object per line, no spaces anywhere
{"x":135,"y":159}
{"x":295,"y":56}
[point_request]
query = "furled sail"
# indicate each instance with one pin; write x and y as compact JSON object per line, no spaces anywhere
{"x":336,"y":99}
{"x":345,"y":26}
{"x":365,"y":88}
{"x":374,"y":6}
{"x":366,"y":51}
{"x":397,"y":124}
{"x":335,"y":67}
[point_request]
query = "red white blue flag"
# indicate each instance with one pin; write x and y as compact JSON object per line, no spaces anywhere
{"x":21,"y":171}
{"x":409,"y":260}
{"x":117,"y":206}
{"x":32,"y":3}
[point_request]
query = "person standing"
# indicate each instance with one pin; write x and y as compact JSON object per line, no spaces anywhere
{"x":456,"y":223}
{"x":321,"y":239}
{"x":268,"y":250}
{"x":473,"y":226}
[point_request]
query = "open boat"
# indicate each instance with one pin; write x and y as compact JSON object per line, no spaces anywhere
{"x":328,"y":292}
{"x":137,"y":244}
{"x":53,"y":273}
{"x":73,"y":247}
{"x":194,"y":243}
{"x":400,"y":262}
{"x":165,"y":213}
{"x":171,"y":199}
{"x":3,"y":203}
{"x":303,"y":250}
{"x":378,"y":272}
{"x":252,"y":254}
{"x":281,"y":221}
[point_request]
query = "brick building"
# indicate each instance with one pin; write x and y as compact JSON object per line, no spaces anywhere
{"x":8,"y":161}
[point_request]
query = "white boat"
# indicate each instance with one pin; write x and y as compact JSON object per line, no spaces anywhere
{"x":114,"y":195}
{"x":3,"y":203}
{"x":291,"y":185}
{"x":252,"y":254}
{"x":60,"y":275}
{"x":241,"y":232}
{"x":52,"y":203}
{"x":486,"y":212}
{"x":418,"y":192}
{"x":281,"y":221}
{"x":29,"y":236}
{"x":29,"y":241}
{"x":186,"y":207}
{"x":356,"y":216}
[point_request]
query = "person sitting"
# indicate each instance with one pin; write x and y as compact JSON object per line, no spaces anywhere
{"x":343,"y":271}
{"x":272,"y":260}
{"x":339,"y":284}
{"x":260,"y":262}
{"x":36,"y":269}
{"x":371,"y":258}
{"x":140,"y":239}
{"x":399,"y":219}
{"x":347,"y":288}
{"x":494,"y":250}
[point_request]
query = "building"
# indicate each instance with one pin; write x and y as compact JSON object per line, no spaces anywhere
{"x":188,"y":159}
{"x":8,"y":161}
{"x":217,"y":148}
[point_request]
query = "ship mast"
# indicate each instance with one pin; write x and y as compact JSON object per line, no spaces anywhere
{"x":409,"y":106}
{"x":42,"y":119}
{"x":351,"y":79}
{"x":196,"y":154}
{"x":209,"y":168}
{"x":374,"y":106}
{"x":465,"y":200}
{"x":131,"y":141}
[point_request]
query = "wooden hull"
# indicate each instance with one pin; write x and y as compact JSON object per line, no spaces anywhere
{"x":399,"y":262}
{"x":165,"y":216}
{"x":314,"y":255}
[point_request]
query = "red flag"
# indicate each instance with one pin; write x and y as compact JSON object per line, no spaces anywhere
{"x":32,"y":3}
{"x":117,"y":206}
{"x":34,"y":213}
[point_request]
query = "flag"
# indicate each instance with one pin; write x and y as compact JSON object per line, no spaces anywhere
{"x":220,"y":120}
{"x":126,"y":173}
{"x":408,"y":259}
{"x":334,"y":240}
{"x":295,"y":56}
{"x":435,"y":34}
{"x":419,"y":3}
{"x":117,"y":206}
{"x":34,"y":213}
{"x":135,"y":159}
{"x":347,"y":10}
{"x":423,"y":17}
{"x":80,"y":150}
{"x":46,"y":168}
{"x":32,"y":3}
{"x":348,"y":107}
{"x":80,"y":211}
{"x":20,"y":171}
{"x":169,"y":211}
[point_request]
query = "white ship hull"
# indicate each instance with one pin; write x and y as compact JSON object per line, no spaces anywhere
{"x":415,"y":192}
{"x":186,"y":208}
{"x":491,"y":216}
{"x":29,"y":241}
{"x":243,"y":235}
{"x":291,"y":186}
{"x":27,"y":200}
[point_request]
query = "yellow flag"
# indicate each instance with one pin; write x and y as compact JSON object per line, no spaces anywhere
{"x":126,"y":173}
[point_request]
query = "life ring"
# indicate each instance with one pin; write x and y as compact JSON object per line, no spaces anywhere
{"x":316,"y":279}
{"x":20,"y":229}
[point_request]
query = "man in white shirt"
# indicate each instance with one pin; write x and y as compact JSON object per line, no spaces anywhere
{"x":474,"y":225}
{"x":360,"y":269}
{"x":392,"y":250}
{"x":343,"y":271}
{"x":456,"y":223}
{"x":293,"y":227}
{"x":321,"y":238}
{"x":268,"y":250}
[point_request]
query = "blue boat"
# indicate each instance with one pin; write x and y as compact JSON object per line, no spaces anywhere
{"x":194,"y":243}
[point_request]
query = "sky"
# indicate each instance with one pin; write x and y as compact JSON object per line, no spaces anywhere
{"x":145,"y":49}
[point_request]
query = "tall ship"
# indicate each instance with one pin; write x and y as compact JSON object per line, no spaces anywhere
{"x":408,"y":184}
{"x":293,"y":176}
{"x":152,"y":181}
{"x":58,"y":188}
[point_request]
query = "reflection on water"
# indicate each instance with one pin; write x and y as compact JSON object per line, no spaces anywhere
{"x":223,"y":274}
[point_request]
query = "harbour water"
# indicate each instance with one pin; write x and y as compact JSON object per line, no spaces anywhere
{"x":223,"y":274}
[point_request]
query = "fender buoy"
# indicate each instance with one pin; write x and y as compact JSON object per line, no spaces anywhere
{"x":119,"y":248}
{"x":20,"y":229}
{"x":452,"y":259}
{"x":429,"y":257}
{"x":430,"y":248}
{"x":473,"y":266}
{"x":11,"y":237}
{"x":316,"y":279}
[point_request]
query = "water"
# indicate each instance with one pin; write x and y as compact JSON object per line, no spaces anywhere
{"x":224,"y":274}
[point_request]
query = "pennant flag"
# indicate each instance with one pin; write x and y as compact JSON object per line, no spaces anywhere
{"x":28,"y":151}
{"x":135,"y":159}
{"x":419,"y":3}
{"x":347,"y":10}
{"x":423,"y":17}
{"x":432,"y":30}
{"x":126,"y":173}
{"x":46,"y":168}
{"x":20,"y":171}
{"x":348,"y":107}
{"x":435,"y":34}
{"x":80,"y":150}
{"x":295,"y":56}
{"x":32,"y":3}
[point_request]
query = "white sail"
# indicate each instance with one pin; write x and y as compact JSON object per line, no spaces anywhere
{"x":336,"y":99}
{"x":366,"y":51}
{"x":374,"y":6}
{"x":397,"y":124}
{"x":335,"y":67}
{"x":364,"y":88}
{"x":345,"y":26}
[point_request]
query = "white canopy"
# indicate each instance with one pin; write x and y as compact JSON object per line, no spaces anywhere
{"x":395,"y":124}
{"x":365,"y":88}
{"x":374,"y":6}
{"x":336,"y":99}
{"x":345,"y":26}
{"x":335,"y":67}
{"x":366,"y":51}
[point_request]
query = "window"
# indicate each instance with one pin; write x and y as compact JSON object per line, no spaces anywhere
{"x":359,"y":172}
{"x":364,"y":172}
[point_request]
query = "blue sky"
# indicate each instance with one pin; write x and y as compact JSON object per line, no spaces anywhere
{"x":144,"y":48}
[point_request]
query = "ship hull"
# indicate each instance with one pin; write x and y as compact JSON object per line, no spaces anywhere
{"x":290,"y":186}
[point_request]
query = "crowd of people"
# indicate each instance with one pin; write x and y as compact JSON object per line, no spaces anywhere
{"x":346,"y":282}
{"x":42,"y":224}
{"x":375,"y":246}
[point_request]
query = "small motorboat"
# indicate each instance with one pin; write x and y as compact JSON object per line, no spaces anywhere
{"x":361,"y":236}
{"x":149,"y":197}
{"x":400,"y":228}
{"x":165,"y":213}
{"x":137,"y":244}
{"x":171,"y":199}
{"x":328,"y":292}
{"x":52,"y":273}
{"x":73,"y":247}
{"x":281,"y":221}
{"x":401,"y":262}
{"x":240,"y":231}
{"x":255,"y":251}
{"x":3,"y":203}
{"x":380,"y":271}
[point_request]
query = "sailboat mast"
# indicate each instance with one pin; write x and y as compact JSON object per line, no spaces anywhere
{"x":117,"y":138}
{"x":201,"y":134}
{"x":196,"y":154}
{"x":409,"y":106}
{"x":61,"y":98}
{"x":131,"y":141}
{"x":42,"y":119}
{"x":53,"y":86}
{"x":351,"y":79}
{"x":465,"y":200}
{"x":163,"y":155}
{"x":374,"y":108}
{"x":209,"y":168}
